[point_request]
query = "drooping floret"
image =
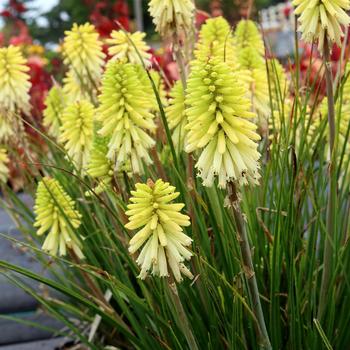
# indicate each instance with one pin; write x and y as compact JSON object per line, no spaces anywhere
{"x":321,"y":18}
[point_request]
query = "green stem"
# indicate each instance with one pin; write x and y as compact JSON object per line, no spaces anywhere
{"x":332,"y":196}
{"x":248,"y":267}
{"x":184,"y":324}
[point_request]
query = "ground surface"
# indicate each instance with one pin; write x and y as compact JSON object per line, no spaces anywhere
{"x":16,"y":303}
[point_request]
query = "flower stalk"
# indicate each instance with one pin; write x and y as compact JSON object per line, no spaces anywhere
{"x":248,"y":267}
{"x":332,"y":197}
{"x":185,"y":325}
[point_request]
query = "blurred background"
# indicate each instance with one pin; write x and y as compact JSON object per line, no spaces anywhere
{"x":46,"y":20}
{"x":38,"y":27}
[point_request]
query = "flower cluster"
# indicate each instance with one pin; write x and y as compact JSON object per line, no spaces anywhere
{"x":14,"y":90}
{"x":216,"y":40}
{"x":125,"y":116}
{"x":251,"y":63}
{"x":4,"y":160}
{"x":82,"y":51}
{"x":100,"y":167}
{"x":176,"y":115}
{"x":54,"y":210}
{"x":172,"y":16}
{"x":55,"y":103}
{"x":129,"y":46}
{"x":76,"y":132}
{"x":342,"y":112}
{"x":321,"y":18}
{"x":6,"y":126}
{"x":161,"y":237}
{"x":14,"y":81}
{"x":280,"y":102}
{"x":217,"y":125}
{"x":247,"y":34}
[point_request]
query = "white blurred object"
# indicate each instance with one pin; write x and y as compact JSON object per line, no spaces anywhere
{"x":278,"y":23}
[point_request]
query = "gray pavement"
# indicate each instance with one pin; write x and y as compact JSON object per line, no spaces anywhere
{"x":14,"y":302}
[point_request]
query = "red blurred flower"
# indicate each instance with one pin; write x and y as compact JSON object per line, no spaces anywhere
{"x":201,"y":17}
{"x":5,"y":13}
{"x":107,"y":17}
{"x":41,"y":83}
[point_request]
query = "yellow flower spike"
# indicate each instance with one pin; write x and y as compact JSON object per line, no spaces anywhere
{"x":160,"y":232}
{"x":215,"y":39}
{"x":56,"y":214}
{"x":251,"y":64}
{"x":75,"y":90}
{"x":4,"y":160}
{"x":342,"y":110}
{"x":247,"y":34}
{"x":55,"y":103}
{"x":14,"y":81}
{"x":218,"y":125}
{"x":76,"y":132}
{"x":82,"y":51}
{"x":280,"y":100}
{"x":6,"y":126}
{"x":172,"y":16}
{"x":125,"y":116}
{"x":320,"y":17}
{"x":176,"y":116}
{"x":123,"y":47}
{"x":100,"y":167}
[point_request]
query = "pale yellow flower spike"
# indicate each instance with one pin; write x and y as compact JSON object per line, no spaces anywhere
{"x":55,"y":213}
{"x":161,"y":234}
{"x":342,"y":112}
{"x":6,"y":126}
{"x":55,"y":103}
{"x":216,"y":39}
{"x":77,"y":131}
{"x":82,"y":51}
{"x":14,"y":81}
{"x":250,"y":50}
{"x":4,"y":160}
{"x":321,"y":17}
{"x":74,"y":90}
{"x":125,"y":114}
{"x":100,"y":167}
{"x":123,"y":47}
{"x":176,"y":116}
{"x":172,"y":16}
{"x":218,"y":126}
